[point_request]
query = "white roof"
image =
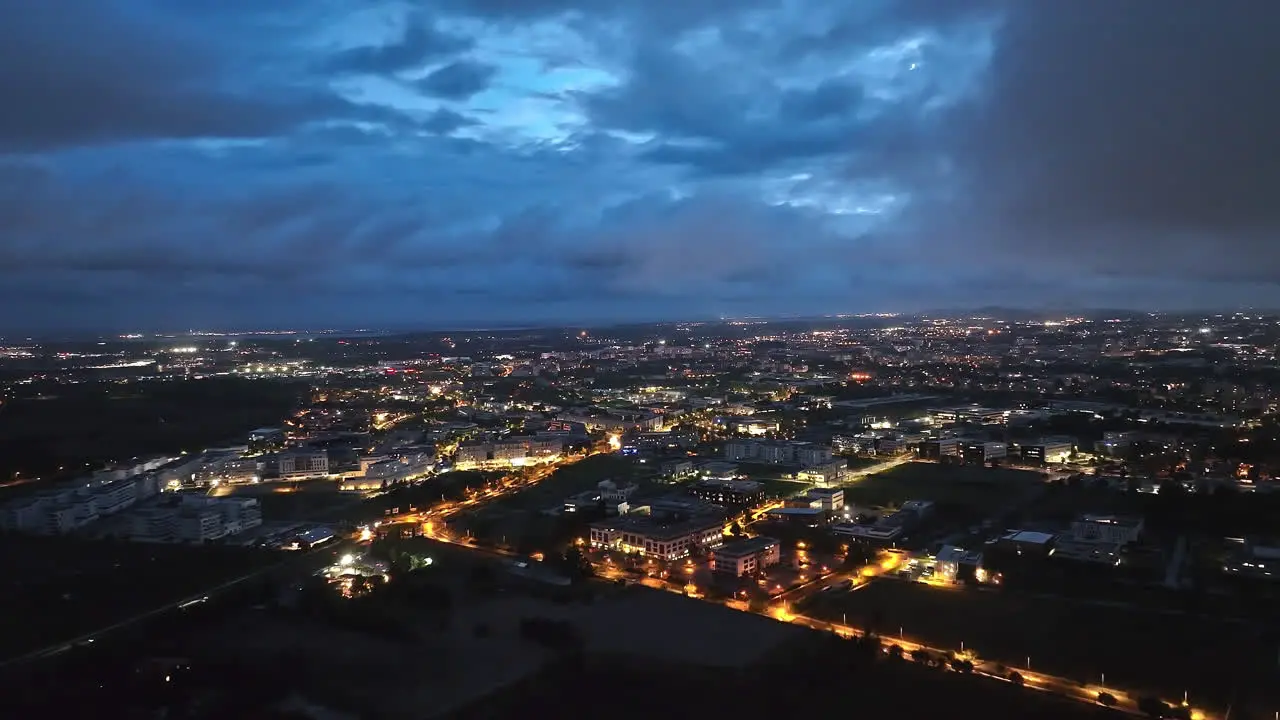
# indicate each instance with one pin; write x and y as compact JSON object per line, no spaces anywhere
{"x":1029,"y":536}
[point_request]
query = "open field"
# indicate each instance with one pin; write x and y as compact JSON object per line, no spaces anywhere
{"x":308,"y":500}
{"x":83,"y":425}
{"x":775,"y":488}
{"x":1060,"y":504}
{"x":59,"y":588}
{"x":971,"y":487}
{"x":567,"y":480}
{"x":772,"y":689}
{"x":1136,"y":648}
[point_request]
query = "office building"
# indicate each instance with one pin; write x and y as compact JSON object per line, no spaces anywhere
{"x":304,"y":463}
{"x":1048,"y":450}
{"x":979,"y":452}
{"x":652,"y":537}
{"x":825,"y":474}
{"x":745,"y":557}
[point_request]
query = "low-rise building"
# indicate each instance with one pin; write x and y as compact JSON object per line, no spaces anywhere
{"x":829,"y":499}
{"x":1091,"y":551}
{"x":512,"y":451}
{"x":937,"y":448}
{"x":955,"y":564}
{"x":676,"y":469}
{"x":876,"y":534}
{"x":729,"y":493}
{"x":655,"y":538}
{"x":799,"y":514}
{"x":1106,"y":529}
{"x":471,"y":455}
{"x":981,"y":451}
{"x":1025,"y":542}
{"x":303,"y":463}
{"x":612,"y":492}
{"x":746,"y":557}
{"x":826,"y":474}
{"x":778,"y":452}
{"x":1048,"y":450}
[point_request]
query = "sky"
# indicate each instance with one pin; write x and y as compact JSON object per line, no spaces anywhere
{"x":371,"y":163}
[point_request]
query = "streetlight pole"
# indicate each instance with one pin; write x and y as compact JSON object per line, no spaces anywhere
{"x":1028,"y":662}
{"x":1104,"y":680}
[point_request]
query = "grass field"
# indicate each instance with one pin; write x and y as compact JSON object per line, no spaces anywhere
{"x":1137,"y":648}
{"x":582,"y":475}
{"x":59,"y":588}
{"x":972,"y":487}
{"x":1060,"y":504}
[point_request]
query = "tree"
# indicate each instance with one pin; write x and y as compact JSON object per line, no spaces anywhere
{"x":1016,"y":678}
{"x":895,"y":652}
{"x":576,"y":564}
{"x":1155,"y":707}
{"x":736,"y":530}
{"x":1106,"y":699}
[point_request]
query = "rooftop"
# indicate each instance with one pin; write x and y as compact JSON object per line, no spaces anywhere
{"x":743,"y":548}
{"x":1130,"y":522}
{"x":728,"y":484}
{"x":656,"y":529}
{"x":1028,"y":536}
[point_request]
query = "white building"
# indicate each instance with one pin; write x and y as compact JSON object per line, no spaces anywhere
{"x":832,"y":473}
{"x":611,"y":491}
{"x":867,"y":533}
{"x":812,"y":455}
{"x":829,"y":499}
{"x":746,"y":557}
{"x":510,"y":452}
{"x":668,"y":541}
{"x":778,"y":453}
{"x":153,"y":524}
{"x":304,"y":463}
{"x":199,"y":524}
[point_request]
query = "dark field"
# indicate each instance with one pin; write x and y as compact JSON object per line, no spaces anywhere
{"x":57,"y":589}
{"x":1136,"y":648}
{"x":72,"y":426}
{"x":787,"y":687}
{"x":577,"y":477}
{"x":970,"y":487}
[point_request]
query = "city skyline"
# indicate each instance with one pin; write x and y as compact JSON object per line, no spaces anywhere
{"x":544,"y":162}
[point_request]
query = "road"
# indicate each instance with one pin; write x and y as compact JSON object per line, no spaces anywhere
{"x":1039,"y":681}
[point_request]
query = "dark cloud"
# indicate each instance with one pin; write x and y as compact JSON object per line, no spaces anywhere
{"x":1138,"y":135}
{"x":84,"y":71}
{"x":458,"y":80}
{"x":753,"y":157}
{"x":421,"y":42}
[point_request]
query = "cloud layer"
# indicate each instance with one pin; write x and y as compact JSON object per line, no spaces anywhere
{"x":403,"y":163}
